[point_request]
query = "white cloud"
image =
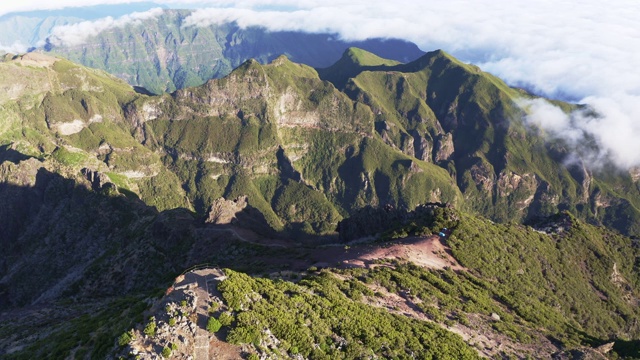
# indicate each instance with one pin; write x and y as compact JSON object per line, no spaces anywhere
{"x":10,"y":6}
{"x":614,"y":132}
{"x":76,"y":34}
{"x":15,"y":48}
{"x":546,"y":44}
{"x":29,"y":5}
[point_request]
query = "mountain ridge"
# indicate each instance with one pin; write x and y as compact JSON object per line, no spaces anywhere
{"x":111,"y":192}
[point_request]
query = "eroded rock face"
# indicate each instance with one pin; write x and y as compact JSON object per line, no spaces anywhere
{"x":224,"y":211}
{"x":422,"y":147}
{"x":583,"y":175}
{"x":444,"y":148}
{"x":96,"y":178}
{"x":521,"y":187}
{"x":483,"y":175}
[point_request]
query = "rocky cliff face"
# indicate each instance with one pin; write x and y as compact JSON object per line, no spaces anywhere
{"x":466,"y":121}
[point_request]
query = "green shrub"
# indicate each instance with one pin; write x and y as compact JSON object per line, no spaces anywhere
{"x":124,"y":339}
{"x":150,"y":329}
{"x":213,"y":307}
{"x":166,"y":352}
{"x":225,"y":319}
{"x":213,"y":325}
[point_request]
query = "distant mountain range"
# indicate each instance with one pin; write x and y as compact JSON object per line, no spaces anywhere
{"x":161,"y":55}
{"x":30,"y":29}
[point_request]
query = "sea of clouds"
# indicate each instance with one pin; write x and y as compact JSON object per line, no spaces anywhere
{"x":582,"y":51}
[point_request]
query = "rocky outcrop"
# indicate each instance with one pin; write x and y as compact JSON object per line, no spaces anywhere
{"x":583,"y":176}
{"x":444,"y":148}
{"x":423,"y":148}
{"x":97,"y":179}
{"x":224,"y":211}
{"x":483,"y":176}
{"x":555,"y":224}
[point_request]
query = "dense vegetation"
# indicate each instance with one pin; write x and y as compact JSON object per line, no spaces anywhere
{"x":89,"y":335}
{"x":576,"y":286}
{"x":317,"y":320}
{"x":579,"y":279}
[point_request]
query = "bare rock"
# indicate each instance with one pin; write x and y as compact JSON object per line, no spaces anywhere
{"x":606,"y":347}
{"x":224,"y":211}
{"x":444,"y":147}
{"x":96,"y":178}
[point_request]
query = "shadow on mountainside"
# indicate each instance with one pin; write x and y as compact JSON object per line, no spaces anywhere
{"x":74,"y":239}
{"x":61,"y":239}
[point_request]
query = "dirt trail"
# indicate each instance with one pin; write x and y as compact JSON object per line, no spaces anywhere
{"x":429,"y":252}
{"x":207,"y":346}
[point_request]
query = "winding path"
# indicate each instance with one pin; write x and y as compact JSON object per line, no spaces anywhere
{"x":202,"y":278}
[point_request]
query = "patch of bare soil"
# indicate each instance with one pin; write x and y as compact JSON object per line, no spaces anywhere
{"x":36,"y":59}
{"x":429,"y":252}
{"x":491,"y":344}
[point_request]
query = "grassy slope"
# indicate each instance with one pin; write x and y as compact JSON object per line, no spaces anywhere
{"x":344,"y":149}
{"x":565,"y":278}
{"x":59,"y":92}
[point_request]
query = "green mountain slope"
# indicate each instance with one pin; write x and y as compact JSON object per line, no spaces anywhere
{"x":401,"y":134}
{"x":452,"y":114}
{"x":288,"y":136}
{"x":73,"y":118}
{"x":162,"y":55}
{"x":99,"y":183}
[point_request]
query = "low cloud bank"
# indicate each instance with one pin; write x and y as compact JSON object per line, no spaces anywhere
{"x":7,"y":6}
{"x":15,"y":48}
{"x":79,"y":33}
{"x":608,"y":137}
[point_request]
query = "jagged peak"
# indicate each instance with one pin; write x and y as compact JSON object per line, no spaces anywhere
{"x":247,"y":65}
{"x":283,"y":65}
{"x":280,"y":60}
{"x":250,"y":62}
{"x":354,"y":61}
{"x":438,"y":57}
